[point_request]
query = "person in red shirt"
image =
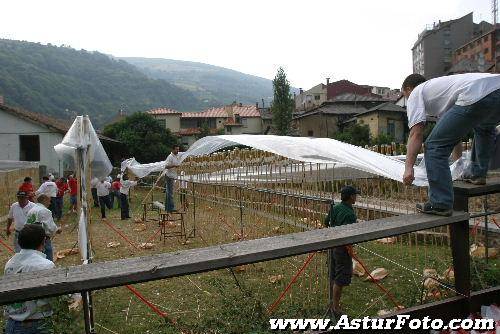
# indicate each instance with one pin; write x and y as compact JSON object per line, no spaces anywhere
{"x":73,"y":192}
{"x":62,"y":188}
{"x":115,"y":192}
{"x":27,"y":187}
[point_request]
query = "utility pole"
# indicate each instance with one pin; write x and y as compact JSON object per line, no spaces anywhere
{"x":494,"y":11}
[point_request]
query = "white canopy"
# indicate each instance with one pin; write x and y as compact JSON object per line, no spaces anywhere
{"x":314,"y":150}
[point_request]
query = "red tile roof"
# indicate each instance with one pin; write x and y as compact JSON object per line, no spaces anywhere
{"x":49,"y":122}
{"x":163,"y":111}
{"x":194,"y":131}
{"x":219,"y":112}
{"x":189,"y":132}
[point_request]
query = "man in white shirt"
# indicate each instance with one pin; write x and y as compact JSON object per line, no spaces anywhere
{"x":18,"y":214}
{"x":30,"y":316}
{"x":462,"y":103}
{"x":103,"y":194}
{"x":39,"y":214}
{"x":173,"y":161}
{"x":124,"y":191}
{"x":48,"y":188}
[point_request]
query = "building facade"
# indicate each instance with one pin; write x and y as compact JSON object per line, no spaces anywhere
{"x":433,"y":51}
{"x":481,"y":54}
{"x":25,"y":136}
{"x":386,"y":119}
{"x":231,"y":119}
{"x":309,"y":99}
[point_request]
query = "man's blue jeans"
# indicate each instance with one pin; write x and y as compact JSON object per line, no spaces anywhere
{"x":48,"y":251}
{"x":41,"y":326}
{"x":454,"y":125}
{"x":17,"y":248}
{"x":169,"y":195}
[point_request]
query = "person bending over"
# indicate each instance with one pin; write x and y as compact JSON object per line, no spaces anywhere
{"x":461,"y":102}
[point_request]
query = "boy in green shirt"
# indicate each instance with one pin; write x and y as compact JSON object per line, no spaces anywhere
{"x":340,"y":259}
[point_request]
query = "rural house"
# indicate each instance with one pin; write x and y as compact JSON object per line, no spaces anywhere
{"x":231,"y":119}
{"x":384,"y":119}
{"x":327,"y":119}
{"x":29,"y":136}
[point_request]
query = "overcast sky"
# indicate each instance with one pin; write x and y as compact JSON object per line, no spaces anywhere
{"x":365,"y":41}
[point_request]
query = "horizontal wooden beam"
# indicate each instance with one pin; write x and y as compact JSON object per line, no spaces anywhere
{"x":470,"y":190}
{"x":109,"y":274}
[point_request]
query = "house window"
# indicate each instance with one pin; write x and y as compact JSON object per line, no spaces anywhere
{"x":29,"y":148}
{"x":391,"y":128}
{"x":317,"y":97}
{"x":310,"y":133}
{"x":244,"y":122}
{"x":162,"y":123}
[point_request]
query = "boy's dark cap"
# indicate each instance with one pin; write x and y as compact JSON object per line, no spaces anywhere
{"x":349,"y":190}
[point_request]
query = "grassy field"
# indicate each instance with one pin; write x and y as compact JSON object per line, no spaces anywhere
{"x":236,"y":300}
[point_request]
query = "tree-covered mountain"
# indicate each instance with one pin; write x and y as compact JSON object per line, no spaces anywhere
{"x":212,"y":84}
{"x":61,"y":81}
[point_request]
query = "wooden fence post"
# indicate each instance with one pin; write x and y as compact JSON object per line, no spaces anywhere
{"x":459,"y":238}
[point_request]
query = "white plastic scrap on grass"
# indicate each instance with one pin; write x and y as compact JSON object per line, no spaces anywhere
{"x":304,"y":149}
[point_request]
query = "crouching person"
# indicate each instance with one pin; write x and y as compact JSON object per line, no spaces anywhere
{"x":340,"y":257}
{"x":30,"y":317}
{"x":40,"y":214}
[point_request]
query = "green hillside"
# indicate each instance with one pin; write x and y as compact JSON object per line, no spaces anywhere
{"x":61,"y":81}
{"x":212,"y":84}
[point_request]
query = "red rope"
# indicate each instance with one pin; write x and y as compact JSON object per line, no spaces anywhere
{"x":148,"y":303}
{"x":495,"y":221}
{"x":391,"y":297}
{"x":282,"y":295}
{"x":6,"y":246}
{"x":154,"y":235}
{"x":475,"y":227}
{"x":121,"y":235}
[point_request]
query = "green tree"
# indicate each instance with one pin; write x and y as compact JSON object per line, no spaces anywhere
{"x":204,"y":130}
{"x":143,"y":136}
{"x":355,"y":134}
{"x":282,"y":107}
{"x":382,"y":139}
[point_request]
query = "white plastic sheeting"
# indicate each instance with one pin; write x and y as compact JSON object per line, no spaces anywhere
{"x":81,"y":140}
{"x":142,"y":170}
{"x":82,"y":135}
{"x":305,"y":149}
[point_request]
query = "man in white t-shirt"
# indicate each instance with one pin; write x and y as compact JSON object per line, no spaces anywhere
{"x":126,"y":184}
{"x":18,"y":215}
{"x":30,"y":316}
{"x":103,"y":194}
{"x":173,"y":161}
{"x":462,"y":103}
{"x":39,"y":214}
